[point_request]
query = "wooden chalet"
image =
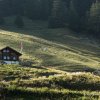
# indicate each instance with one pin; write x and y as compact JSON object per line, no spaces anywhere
{"x":9,"y":56}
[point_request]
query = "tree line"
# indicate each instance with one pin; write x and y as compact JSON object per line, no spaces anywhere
{"x":79,"y":15}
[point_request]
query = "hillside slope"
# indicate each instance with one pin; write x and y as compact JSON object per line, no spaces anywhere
{"x":58,"y":48}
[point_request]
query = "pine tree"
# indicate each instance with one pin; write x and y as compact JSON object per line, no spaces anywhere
{"x":94,"y":18}
{"x":74,"y":18}
{"x":77,"y":13}
{"x":56,"y":19}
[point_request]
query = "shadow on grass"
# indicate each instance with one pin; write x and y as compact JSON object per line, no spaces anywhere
{"x":75,"y":68}
{"x":16,"y":94}
{"x":54,"y":62}
{"x":44,"y":33}
{"x":50,"y":60}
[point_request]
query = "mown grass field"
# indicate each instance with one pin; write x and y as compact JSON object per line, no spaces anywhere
{"x":58,"y":48}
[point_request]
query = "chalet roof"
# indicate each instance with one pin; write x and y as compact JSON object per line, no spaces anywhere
{"x":7,"y":47}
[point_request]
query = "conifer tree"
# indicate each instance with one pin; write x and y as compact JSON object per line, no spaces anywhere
{"x":94,"y":18}
{"x":57,"y":14}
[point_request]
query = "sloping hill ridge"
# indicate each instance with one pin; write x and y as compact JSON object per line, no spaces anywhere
{"x":58,"y":48}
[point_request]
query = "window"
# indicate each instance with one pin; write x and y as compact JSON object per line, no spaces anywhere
{"x":4,"y":51}
{"x":7,"y":50}
{"x":14,"y":58}
{"x":4,"y":57}
{"x":8,"y":57}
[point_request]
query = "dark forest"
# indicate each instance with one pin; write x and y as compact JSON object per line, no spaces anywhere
{"x":79,"y":15}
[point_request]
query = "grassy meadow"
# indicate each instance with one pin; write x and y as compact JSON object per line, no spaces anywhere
{"x":59,"y":60}
{"x":58,"y":48}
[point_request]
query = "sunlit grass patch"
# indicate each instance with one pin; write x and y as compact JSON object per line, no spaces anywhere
{"x":47,"y":83}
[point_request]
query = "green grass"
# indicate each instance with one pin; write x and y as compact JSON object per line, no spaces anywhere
{"x":50,"y":51}
{"x":47,"y":83}
{"x":64,"y":49}
{"x":19,"y":76}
